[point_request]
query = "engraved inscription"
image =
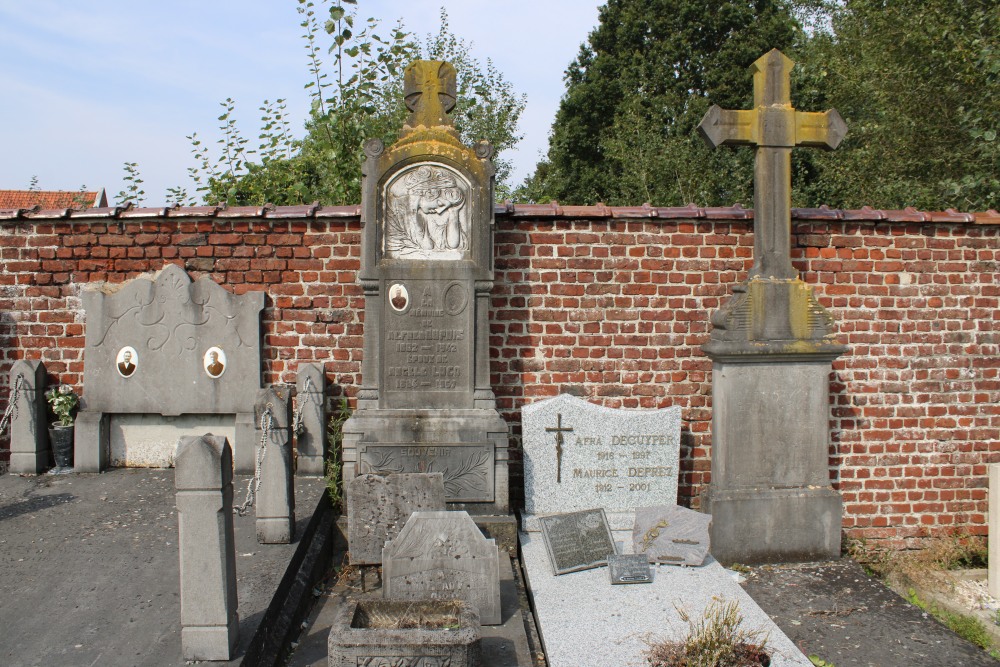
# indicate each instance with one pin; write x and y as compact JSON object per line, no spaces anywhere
{"x":404,"y":661}
{"x":629,"y":569}
{"x":467,"y":468}
{"x":427,"y":214}
{"x":577,"y":540}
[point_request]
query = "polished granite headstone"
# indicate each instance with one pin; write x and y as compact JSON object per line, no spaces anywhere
{"x":672,"y":534}
{"x":425,"y":403}
{"x":579,"y":455}
{"x":378,"y":507}
{"x":443,"y":555}
{"x":577,"y":540}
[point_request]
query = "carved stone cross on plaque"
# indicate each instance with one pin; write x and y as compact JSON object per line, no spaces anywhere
{"x":559,"y":429}
{"x":773,"y":127}
{"x":429,"y":90}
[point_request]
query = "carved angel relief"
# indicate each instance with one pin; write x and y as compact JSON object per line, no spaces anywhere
{"x":427,"y":214}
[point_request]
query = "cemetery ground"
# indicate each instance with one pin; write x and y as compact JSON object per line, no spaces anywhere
{"x":91,"y":578}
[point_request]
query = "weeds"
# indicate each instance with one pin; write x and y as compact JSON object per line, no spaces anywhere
{"x":715,"y":640}
{"x":967,"y":627}
{"x":334,"y":439}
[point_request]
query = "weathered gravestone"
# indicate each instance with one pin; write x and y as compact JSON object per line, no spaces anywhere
{"x":275,"y":501}
{"x":772,"y":348}
{"x":29,"y":439}
{"x":310,"y":428}
{"x":425,"y":403}
{"x":443,"y":555}
{"x":672,"y":534}
{"x":378,"y":507}
{"x":577,"y":540}
{"x":578,"y":455}
{"x":167,"y":357}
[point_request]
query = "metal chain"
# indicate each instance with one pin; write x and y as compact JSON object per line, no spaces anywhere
{"x":297,"y":427}
{"x":266,"y":419}
{"x":11,"y":411}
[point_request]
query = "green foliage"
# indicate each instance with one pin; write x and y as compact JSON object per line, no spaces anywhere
{"x":918,"y":82}
{"x":357,"y":95}
{"x":968,"y":628}
{"x":625,"y":129}
{"x":63,"y":401}
{"x":133,"y":192}
{"x":33,"y":184}
{"x":334,"y":439}
{"x":819,"y":662}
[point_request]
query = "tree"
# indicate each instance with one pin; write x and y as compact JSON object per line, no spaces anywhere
{"x":918,"y":82}
{"x":624,"y":132}
{"x":358,"y":98}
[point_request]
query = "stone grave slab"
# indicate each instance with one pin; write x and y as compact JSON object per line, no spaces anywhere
{"x":443,"y":555}
{"x":577,"y":540}
{"x":579,"y":455}
{"x":378,"y":507}
{"x":629,"y":569}
{"x":672,"y":535}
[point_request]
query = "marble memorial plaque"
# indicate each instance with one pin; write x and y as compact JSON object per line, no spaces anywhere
{"x":443,"y":555}
{"x":629,"y":569}
{"x":467,"y":468}
{"x":579,"y":455}
{"x":577,"y":540}
{"x":672,"y":534}
{"x":378,"y":507}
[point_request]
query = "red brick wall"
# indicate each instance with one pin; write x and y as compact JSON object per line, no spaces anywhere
{"x":608,"y":308}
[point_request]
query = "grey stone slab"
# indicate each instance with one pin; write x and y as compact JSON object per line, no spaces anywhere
{"x":275,"y":502}
{"x":577,"y":540}
{"x":310,"y":435}
{"x":578,"y":455}
{"x":626,"y":569}
{"x":467,"y":468}
{"x":207,"y":546}
{"x":441,"y":555}
{"x":583,"y":619}
{"x":378,"y":507}
{"x":29,"y":439}
{"x":672,"y":535}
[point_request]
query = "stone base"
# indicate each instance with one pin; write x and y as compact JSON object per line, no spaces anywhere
{"x":752,"y":526}
{"x":275,"y":530}
{"x":30,"y":463}
{"x":470,"y":447}
{"x":310,"y":466}
{"x":212,"y":642}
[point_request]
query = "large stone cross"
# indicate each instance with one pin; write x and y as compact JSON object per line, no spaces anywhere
{"x":429,"y":90}
{"x":773,"y":127}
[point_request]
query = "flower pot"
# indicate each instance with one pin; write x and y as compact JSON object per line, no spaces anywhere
{"x":61,"y":438}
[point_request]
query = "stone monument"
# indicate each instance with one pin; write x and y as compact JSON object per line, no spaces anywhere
{"x":275,"y":503}
{"x":167,"y":356}
{"x":772,"y":348}
{"x":29,"y":439}
{"x":425,"y":403}
{"x":310,"y":426}
{"x":578,"y":456}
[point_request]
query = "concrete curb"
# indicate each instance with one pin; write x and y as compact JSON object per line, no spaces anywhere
{"x":293,"y":598}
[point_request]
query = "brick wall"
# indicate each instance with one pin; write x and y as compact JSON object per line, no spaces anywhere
{"x":611,"y":305}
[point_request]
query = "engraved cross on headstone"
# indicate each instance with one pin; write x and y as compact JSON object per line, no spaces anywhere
{"x":773,"y":127}
{"x":559,"y":429}
{"x":429,"y":90}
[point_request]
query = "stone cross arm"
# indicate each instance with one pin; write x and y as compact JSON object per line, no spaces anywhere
{"x":429,"y":91}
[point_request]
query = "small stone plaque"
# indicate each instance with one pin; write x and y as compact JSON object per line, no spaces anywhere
{"x":378,"y":507}
{"x":630,"y":569}
{"x":468,"y":468}
{"x":579,"y":455}
{"x":672,"y":535}
{"x":443,"y":555}
{"x":577,"y":540}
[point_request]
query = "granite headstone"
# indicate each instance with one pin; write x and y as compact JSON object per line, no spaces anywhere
{"x":443,"y":555}
{"x":629,"y":569}
{"x":578,"y":455}
{"x":577,"y":540}
{"x":672,"y":534}
{"x":378,"y":507}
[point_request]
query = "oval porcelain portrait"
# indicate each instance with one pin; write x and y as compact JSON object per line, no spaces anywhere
{"x":214,"y":362}
{"x":127,"y":361}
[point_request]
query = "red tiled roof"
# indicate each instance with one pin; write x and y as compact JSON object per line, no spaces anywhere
{"x":51,"y":199}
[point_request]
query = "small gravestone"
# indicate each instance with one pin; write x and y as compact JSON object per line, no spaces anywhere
{"x":29,"y":440}
{"x":310,"y":425}
{"x":629,"y":569}
{"x":672,"y":534}
{"x":578,"y":455}
{"x":577,"y":540}
{"x":443,"y":555}
{"x":378,"y":507}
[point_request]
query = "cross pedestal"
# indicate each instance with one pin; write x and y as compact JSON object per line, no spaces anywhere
{"x":772,"y":348}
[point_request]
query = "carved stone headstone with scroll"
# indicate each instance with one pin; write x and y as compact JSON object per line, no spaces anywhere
{"x":425,"y":403}
{"x":173,"y":349}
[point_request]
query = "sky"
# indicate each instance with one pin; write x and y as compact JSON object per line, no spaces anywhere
{"x":91,"y":84}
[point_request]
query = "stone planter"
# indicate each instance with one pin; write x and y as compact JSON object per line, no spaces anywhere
{"x":61,"y":439}
{"x":437,"y":633}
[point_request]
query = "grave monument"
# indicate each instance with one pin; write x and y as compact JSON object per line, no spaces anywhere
{"x":772,"y":348}
{"x":30,"y":452}
{"x":425,"y":403}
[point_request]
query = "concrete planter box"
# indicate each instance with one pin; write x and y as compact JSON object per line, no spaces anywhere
{"x":426,"y":633}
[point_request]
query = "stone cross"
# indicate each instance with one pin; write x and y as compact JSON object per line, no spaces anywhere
{"x":429,"y":89}
{"x":558,"y":429}
{"x":773,"y":127}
